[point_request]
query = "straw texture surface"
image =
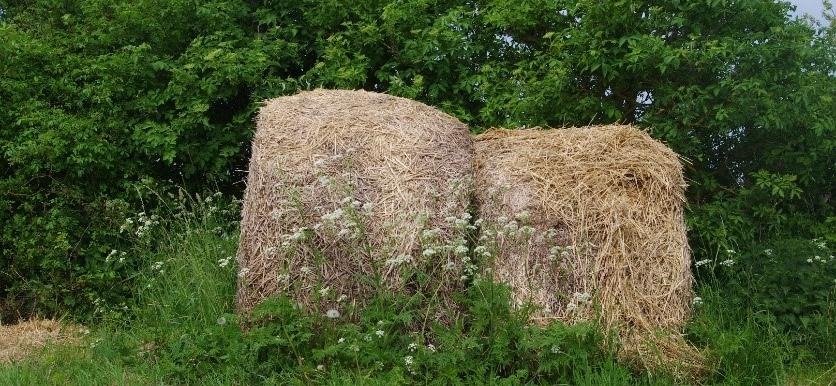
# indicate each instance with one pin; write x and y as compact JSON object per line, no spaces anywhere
{"x":341,"y":186}
{"x":587,"y":223}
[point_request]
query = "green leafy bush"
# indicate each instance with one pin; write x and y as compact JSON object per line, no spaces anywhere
{"x":102,"y":97}
{"x":795,"y":280}
{"x":788,"y":285}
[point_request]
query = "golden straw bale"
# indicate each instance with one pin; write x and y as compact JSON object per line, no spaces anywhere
{"x":347,"y":190}
{"x":587,"y":223}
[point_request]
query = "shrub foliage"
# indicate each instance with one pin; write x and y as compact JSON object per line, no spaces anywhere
{"x":105,"y":103}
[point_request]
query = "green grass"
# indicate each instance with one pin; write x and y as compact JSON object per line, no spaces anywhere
{"x":182,"y":330}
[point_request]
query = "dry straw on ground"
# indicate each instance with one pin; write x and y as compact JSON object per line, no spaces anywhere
{"x":587,"y":220}
{"x":345,"y":191}
{"x":19,"y":341}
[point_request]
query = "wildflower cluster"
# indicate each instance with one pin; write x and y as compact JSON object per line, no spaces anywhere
{"x":410,"y":364}
{"x":211,"y":204}
{"x":346,"y":220}
{"x":115,"y":255}
{"x":518,"y":235}
{"x":820,"y":244}
{"x":579,"y":301}
{"x":560,"y":252}
{"x":547,"y":252}
{"x":399,"y":260}
{"x":302,"y":230}
{"x":224,"y":262}
{"x":140,"y":225}
{"x":451,"y":247}
{"x":323,"y":292}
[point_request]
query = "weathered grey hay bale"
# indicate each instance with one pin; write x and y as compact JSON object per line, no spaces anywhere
{"x":588,"y":223}
{"x":346,"y":189}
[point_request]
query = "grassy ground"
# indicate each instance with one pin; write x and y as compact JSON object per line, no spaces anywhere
{"x":182,"y":329}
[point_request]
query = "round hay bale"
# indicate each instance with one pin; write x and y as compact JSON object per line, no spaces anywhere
{"x":348,"y":193}
{"x":587,"y":223}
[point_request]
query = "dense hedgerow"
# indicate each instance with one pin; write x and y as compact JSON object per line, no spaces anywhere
{"x":109,"y":106}
{"x":103,"y":98}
